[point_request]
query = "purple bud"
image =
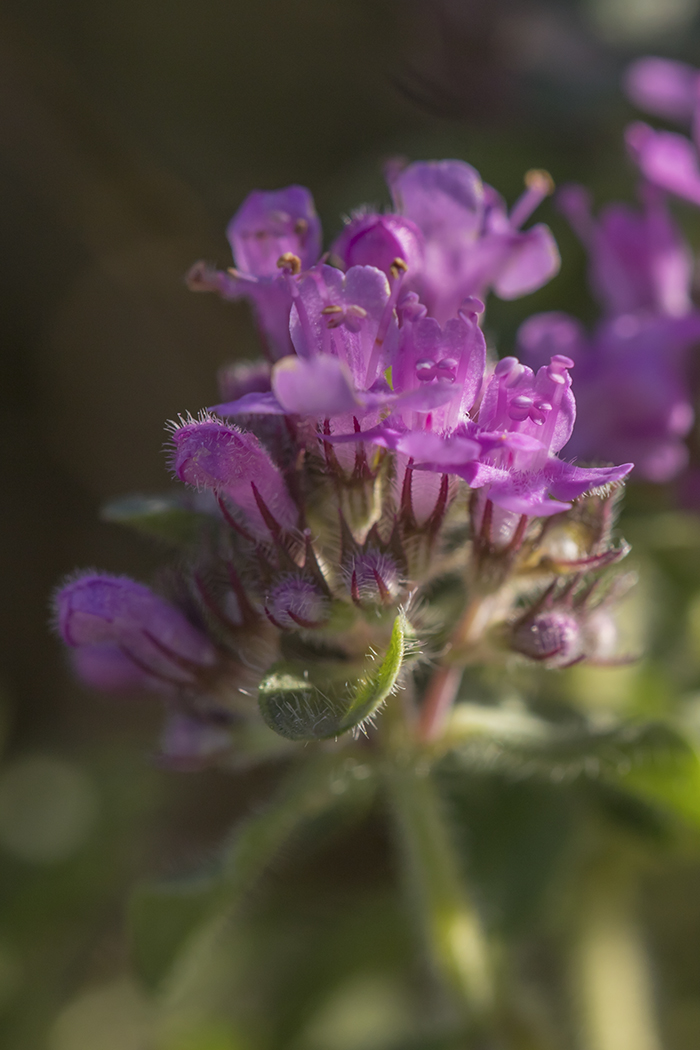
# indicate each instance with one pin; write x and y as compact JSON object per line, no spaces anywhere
{"x":114,"y":611}
{"x":553,"y":636}
{"x":107,"y":668}
{"x":269,"y":225}
{"x":210,"y":454}
{"x":377,"y":240}
{"x":374,"y":578}
{"x":296,"y":602}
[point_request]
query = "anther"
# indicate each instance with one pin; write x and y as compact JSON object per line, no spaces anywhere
{"x":398,"y":267}
{"x":290,"y":262}
{"x":540,"y":180}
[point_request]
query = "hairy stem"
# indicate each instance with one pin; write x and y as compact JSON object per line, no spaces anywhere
{"x":451,"y":926}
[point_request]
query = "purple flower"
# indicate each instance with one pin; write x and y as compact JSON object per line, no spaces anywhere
{"x":666,"y":159}
{"x":472,"y":244}
{"x":525,"y":418}
{"x":630,"y":386}
{"x":638,"y":260}
{"x":209,"y":454}
{"x":115,"y":622}
{"x":663,"y":87}
{"x":267,"y":227}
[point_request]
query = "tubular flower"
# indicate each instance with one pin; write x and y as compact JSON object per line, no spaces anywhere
{"x":265,"y":227}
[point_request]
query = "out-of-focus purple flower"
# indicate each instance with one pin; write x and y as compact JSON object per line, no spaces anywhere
{"x":102,"y":616}
{"x":638,"y":259}
{"x":666,"y":159}
{"x":190,"y":742}
{"x":631,"y":386}
{"x":267,"y":227}
{"x":663,"y":87}
{"x":209,"y":454}
{"x":107,"y":667}
{"x":472,"y":244}
{"x":244,"y":377}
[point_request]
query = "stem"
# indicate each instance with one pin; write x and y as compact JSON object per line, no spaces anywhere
{"x":439,"y":697}
{"x":611,"y":980}
{"x":451,"y":926}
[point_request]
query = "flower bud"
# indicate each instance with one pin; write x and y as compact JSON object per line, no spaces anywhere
{"x":107,"y":668}
{"x":117,"y":613}
{"x":210,"y":454}
{"x":297,"y":602}
{"x":378,"y":240}
{"x":374,"y":578}
{"x":553,"y":636}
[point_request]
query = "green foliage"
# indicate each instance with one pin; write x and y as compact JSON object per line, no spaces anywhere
{"x":166,"y":518}
{"x":165,"y":915}
{"x":319,"y":702}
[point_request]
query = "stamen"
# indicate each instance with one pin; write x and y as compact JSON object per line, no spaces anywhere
{"x":539,"y":184}
{"x":290,"y":262}
{"x":398,"y":267}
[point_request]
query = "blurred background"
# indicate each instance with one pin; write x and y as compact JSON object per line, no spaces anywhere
{"x":130,"y":131}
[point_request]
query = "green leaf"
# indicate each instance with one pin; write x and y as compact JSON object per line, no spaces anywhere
{"x":668,"y":778}
{"x":164,"y":916}
{"x":520,"y":743}
{"x":512,"y":837}
{"x":166,"y":518}
{"x":320,"y":703}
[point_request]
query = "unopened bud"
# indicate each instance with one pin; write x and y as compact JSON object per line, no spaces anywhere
{"x":374,"y":578}
{"x":296,"y":602}
{"x":209,"y":454}
{"x":114,"y":612}
{"x":553,"y":636}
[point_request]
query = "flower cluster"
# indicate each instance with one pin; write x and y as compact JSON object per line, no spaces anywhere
{"x":377,"y":453}
{"x":634,"y":374}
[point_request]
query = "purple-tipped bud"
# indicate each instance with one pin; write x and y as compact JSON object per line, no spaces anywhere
{"x":269,"y":225}
{"x":212,"y":455}
{"x":553,"y":636}
{"x":295,"y":602}
{"x":113,"y":612}
{"x":374,"y":578}
{"x":378,"y":240}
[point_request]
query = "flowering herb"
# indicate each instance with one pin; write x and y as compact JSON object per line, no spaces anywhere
{"x":383,"y":507}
